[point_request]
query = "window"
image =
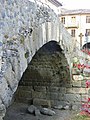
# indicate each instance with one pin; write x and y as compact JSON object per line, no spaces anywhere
{"x":73,"y":32}
{"x":87,"y":19}
{"x":73,"y":19}
{"x":63,"y":20}
{"x":88,"y":32}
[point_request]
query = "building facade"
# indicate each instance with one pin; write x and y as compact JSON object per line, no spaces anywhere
{"x":77,"y":23}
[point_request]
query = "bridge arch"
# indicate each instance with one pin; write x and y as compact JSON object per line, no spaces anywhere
{"x":47,"y":75}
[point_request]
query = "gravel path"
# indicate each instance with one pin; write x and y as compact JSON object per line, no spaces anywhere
{"x":18,"y":111}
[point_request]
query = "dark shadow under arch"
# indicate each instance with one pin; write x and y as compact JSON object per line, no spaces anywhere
{"x":87,"y":45}
{"x":47,"y":74}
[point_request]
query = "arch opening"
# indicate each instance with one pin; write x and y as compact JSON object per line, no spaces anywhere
{"x":46,"y":78}
{"x":87,"y":45}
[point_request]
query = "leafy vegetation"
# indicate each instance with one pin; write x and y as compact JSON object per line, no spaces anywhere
{"x":81,"y":117}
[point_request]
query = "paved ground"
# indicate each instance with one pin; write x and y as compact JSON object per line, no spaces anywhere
{"x":18,"y":111}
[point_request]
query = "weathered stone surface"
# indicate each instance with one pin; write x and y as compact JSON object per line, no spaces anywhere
{"x":60,"y":96}
{"x":77,"y":83}
{"x":77,"y":90}
{"x":77,"y":77}
{"x":2,"y":111}
{"x":40,"y":88}
{"x":53,"y":89}
{"x":5,"y":92}
{"x":41,"y":102}
{"x":52,"y":95}
{"x":72,"y":97}
{"x":59,"y":107}
{"x":60,"y":103}
{"x":47,"y":111}
{"x":67,"y":107}
{"x":86,"y":78}
{"x":11,"y":78}
{"x":20,"y":40}
{"x":84,"y":97}
{"x":31,"y":109}
{"x":41,"y":95}
{"x":37,"y":112}
{"x":75,"y":107}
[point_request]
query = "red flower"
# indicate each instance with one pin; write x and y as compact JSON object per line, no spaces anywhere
{"x":89,"y":100}
{"x":87,"y":84}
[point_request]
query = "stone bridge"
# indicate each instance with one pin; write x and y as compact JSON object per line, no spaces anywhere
{"x":37,"y":56}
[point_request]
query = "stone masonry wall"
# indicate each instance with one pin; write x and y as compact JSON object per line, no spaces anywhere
{"x":25,"y":26}
{"x":47,"y":81}
{"x":45,"y":78}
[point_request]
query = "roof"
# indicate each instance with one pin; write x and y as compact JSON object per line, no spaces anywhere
{"x":75,"y":12}
{"x":55,"y":2}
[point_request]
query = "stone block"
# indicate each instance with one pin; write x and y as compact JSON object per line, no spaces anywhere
{"x":86,"y":78}
{"x":37,"y":112}
{"x":52,"y":89}
{"x":52,"y":95}
{"x":84,"y":98}
{"x":40,"y":88}
{"x":75,"y":71}
{"x":60,"y":96}
{"x":77,"y":77}
{"x":59,"y":103}
{"x":23,"y":100}
{"x":76,"y":83}
{"x":89,"y":92}
{"x":67,"y":107}
{"x":41,"y":102}
{"x":36,"y":94}
{"x":77,"y":90}
{"x":62,"y":89}
{"x":59,"y":107}
{"x":31,"y":109}
{"x":23,"y":93}
{"x":27,"y":88}
{"x":47,"y":111}
{"x":75,"y":107}
{"x":72,"y":97}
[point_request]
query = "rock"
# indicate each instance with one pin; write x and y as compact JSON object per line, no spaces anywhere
{"x":47,"y":111}
{"x":74,"y":107}
{"x":1,"y":118}
{"x":37,"y":112}
{"x":31,"y":109}
{"x":59,"y":107}
{"x":2,"y":110}
{"x":14,"y":37}
{"x":67,"y":107}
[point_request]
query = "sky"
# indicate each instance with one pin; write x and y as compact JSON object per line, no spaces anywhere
{"x":75,"y":4}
